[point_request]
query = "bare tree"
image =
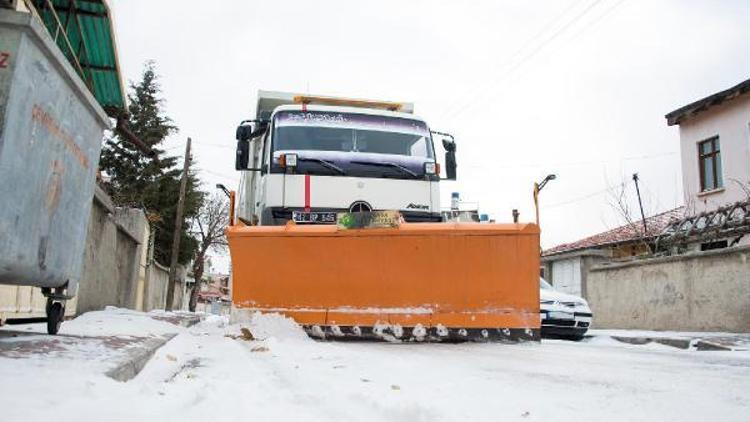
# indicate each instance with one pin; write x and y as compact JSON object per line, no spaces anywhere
{"x":619,"y":200}
{"x":208,"y":229}
{"x":744,"y":186}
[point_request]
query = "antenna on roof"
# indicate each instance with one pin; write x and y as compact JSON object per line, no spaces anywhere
{"x":640,"y":204}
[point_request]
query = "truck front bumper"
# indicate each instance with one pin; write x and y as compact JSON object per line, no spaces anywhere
{"x":278,"y":216}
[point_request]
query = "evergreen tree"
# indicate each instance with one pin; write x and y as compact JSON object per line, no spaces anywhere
{"x":151,"y":183}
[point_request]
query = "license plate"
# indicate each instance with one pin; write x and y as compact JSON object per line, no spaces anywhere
{"x":560,"y":315}
{"x":314,"y":217}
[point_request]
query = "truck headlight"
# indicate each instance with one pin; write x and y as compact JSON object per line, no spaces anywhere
{"x":431,"y":168}
{"x":288,"y":160}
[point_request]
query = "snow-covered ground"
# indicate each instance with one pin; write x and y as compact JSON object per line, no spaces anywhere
{"x":204,"y":375}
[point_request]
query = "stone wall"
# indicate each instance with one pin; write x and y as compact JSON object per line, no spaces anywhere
{"x":702,"y":291}
{"x":117,"y":269}
{"x":112,"y":256}
{"x":156,"y":290}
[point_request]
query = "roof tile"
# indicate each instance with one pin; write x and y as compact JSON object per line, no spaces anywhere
{"x":628,"y":232}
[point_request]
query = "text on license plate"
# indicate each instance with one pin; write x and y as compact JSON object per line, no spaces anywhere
{"x":314,"y":217}
{"x":560,"y":315}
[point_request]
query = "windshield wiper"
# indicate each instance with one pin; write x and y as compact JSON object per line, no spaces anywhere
{"x":389,"y":164}
{"x":325,"y":164}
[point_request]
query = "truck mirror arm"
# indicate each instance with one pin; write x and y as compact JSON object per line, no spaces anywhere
{"x":249,"y":129}
{"x":449,"y":143}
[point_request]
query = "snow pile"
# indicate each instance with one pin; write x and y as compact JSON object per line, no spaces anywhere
{"x":113,"y":321}
{"x":265,"y":326}
{"x":211,"y":371}
{"x":217,"y":321}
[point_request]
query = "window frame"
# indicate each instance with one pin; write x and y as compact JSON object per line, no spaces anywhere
{"x":715,"y":156}
{"x":428,"y":139}
{"x":265,"y":150}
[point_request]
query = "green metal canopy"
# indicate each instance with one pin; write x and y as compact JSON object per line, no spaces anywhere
{"x":83,"y":31}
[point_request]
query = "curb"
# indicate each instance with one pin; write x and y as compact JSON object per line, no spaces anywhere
{"x":680,"y":343}
{"x":697,"y":344}
{"x":137,"y":358}
{"x":708,"y":345}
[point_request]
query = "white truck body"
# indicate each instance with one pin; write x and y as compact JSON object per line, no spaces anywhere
{"x":349,"y":159}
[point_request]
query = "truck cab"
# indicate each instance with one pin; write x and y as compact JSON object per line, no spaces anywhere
{"x":307,"y":158}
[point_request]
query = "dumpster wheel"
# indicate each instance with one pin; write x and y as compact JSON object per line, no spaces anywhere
{"x":55,"y":315}
{"x":55,"y":308}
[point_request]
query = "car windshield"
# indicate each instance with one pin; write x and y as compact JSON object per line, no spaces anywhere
{"x":544,"y":285}
{"x":350,"y":132}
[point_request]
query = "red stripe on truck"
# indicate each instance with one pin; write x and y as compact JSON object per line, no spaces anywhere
{"x":307,"y":193}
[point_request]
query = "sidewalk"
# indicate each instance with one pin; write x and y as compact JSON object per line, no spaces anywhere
{"x":214,"y":371}
{"x":699,"y":341}
{"x":117,"y":342}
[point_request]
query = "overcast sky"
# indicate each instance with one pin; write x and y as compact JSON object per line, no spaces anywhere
{"x":578,"y":88}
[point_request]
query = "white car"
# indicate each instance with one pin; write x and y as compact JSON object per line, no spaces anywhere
{"x":562,"y":314}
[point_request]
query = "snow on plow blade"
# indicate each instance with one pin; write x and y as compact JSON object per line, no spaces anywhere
{"x":422,"y":281}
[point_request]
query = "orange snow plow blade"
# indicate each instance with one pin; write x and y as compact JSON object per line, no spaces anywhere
{"x":420,"y":281}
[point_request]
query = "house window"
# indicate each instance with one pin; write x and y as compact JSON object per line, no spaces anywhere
{"x":709,"y":161}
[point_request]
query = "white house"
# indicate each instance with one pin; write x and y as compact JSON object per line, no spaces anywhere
{"x":715,"y":154}
{"x":689,"y":269}
{"x":715,"y":149}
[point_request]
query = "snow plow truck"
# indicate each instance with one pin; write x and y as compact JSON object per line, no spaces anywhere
{"x":338,"y":226}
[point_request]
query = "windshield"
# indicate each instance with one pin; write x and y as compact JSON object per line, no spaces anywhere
{"x":349,"y":132}
{"x":544,"y":285}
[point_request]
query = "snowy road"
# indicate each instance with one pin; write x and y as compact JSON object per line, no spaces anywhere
{"x":202,"y":375}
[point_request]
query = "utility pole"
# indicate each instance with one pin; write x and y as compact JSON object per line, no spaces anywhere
{"x":177,"y":231}
{"x":640,"y":204}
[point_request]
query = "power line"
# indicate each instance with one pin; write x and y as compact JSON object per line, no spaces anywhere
{"x":577,"y":163}
{"x":217,"y":146}
{"x":224,"y":176}
{"x":598,"y":19}
{"x":550,"y":24}
{"x":529,"y":56}
{"x":539,"y":48}
{"x":587,"y":196}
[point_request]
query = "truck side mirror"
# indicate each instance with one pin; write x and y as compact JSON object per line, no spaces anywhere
{"x":244,"y":132}
{"x":450,"y":159}
{"x":243,"y":154}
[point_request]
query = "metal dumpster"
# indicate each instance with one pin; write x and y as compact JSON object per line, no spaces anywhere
{"x":50,"y":137}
